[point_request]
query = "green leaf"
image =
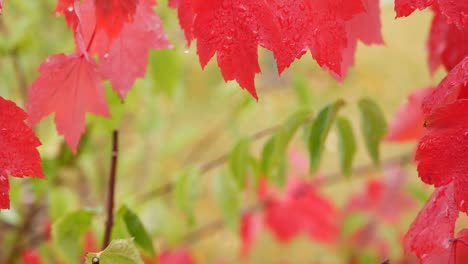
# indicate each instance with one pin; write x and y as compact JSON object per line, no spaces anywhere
{"x":373,"y":126}
{"x":319,"y":131}
{"x":239,"y":161}
{"x":120,"y":251}
{"x":227,"y":196}
{"x":346,"y":144}
{"x":302,"y":92}
{"x":185,"y":191}
{"x":136,"y":229}
{"x":273,"y":162}
{"x":67,"y":232}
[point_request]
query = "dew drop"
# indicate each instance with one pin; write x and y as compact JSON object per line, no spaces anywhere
{"x":70,"y":9}
{"x":106,"y":55}
{"x":186,"y":51}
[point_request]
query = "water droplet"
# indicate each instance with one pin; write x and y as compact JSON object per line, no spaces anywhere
{"x":186,"y":51}
{"x":106,"y":55}
{"x":462,"y":202}
{"x":316,"y":30}
{"x":70,"y":9}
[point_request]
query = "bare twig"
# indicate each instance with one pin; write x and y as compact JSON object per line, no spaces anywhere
{"x":111,"y":190}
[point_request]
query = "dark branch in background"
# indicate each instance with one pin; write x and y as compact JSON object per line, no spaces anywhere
{"x":208,"y":166}
{"x":111,"y":190}
{"x":218,"y":224}
{"x":22,"y":232}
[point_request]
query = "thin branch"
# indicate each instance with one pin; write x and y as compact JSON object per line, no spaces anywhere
{"x":22,"y":232}
{"x":111,"y":190}
{"x":218,"y":224}
{"x":212,"y":164}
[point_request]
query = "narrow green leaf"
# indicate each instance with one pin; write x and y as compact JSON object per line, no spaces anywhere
{"x":136,"y":229}
{"x":239,"y":161}
{"x":68,"y":230}
{"x":319,"y":132}
{"x":120,"y":251}
{"x":373,"y":126}
{"x":227,"y":196}
{"x":346,"y":144}
{"x":267,"y":161}
{"x":302,"y":91}
{"x":274,"y":151}
{"x":186,"y":191}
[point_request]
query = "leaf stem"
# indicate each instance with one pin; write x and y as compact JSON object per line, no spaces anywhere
{"x":111,"y":190}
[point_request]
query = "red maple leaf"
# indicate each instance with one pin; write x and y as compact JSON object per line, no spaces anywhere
{"x":111,"y":15}
{"x":442,"y":153}
{"x":69,"y":86}
{"x":177,"y":256}
{"x":68,"y":9}
{"x":127,"y":57}
{"x":453,"y":87}
{"x":431,"y":234}
{"x":18,"y":154}
{"x":364,"y":27}
{"x":454,"y":11}
{"x":446,"y":44}
{"x":408,"y":121}
{"x":233,"y":30}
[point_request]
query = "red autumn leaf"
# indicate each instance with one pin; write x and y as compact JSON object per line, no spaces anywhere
{"x":446,"y":44}
{"x":67,"y":8}
{"x":431,"y":233}
{"x":301,"y":210}
{"x":69,"y":86}
{"x":233,"y":30}
{"x":384,"y":199}
{"x":178,"y":256}
{"x":460,"y":248}
{"x":453,"y":87}
{"x":364,"y":27}
{"x":111,"y":15}
{"x":249,"y":228}
{"x":442,"y":153}
{"x":454,"y":11}
{"x":127,"y":57}
{"x":409,"y":119}
{"x":18,"y":154}
{"x":31,"y":256}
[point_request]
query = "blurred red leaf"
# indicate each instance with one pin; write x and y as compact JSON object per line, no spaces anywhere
{"x":383,"y":198}
{"x":18,"y":154}
{"x":126,"y":58}
{"x":409,"y":119}
{"x":178,"y":256}
{"x":69,"y":86}
{"x":31,"y":256}
{"x":301,"y":210}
